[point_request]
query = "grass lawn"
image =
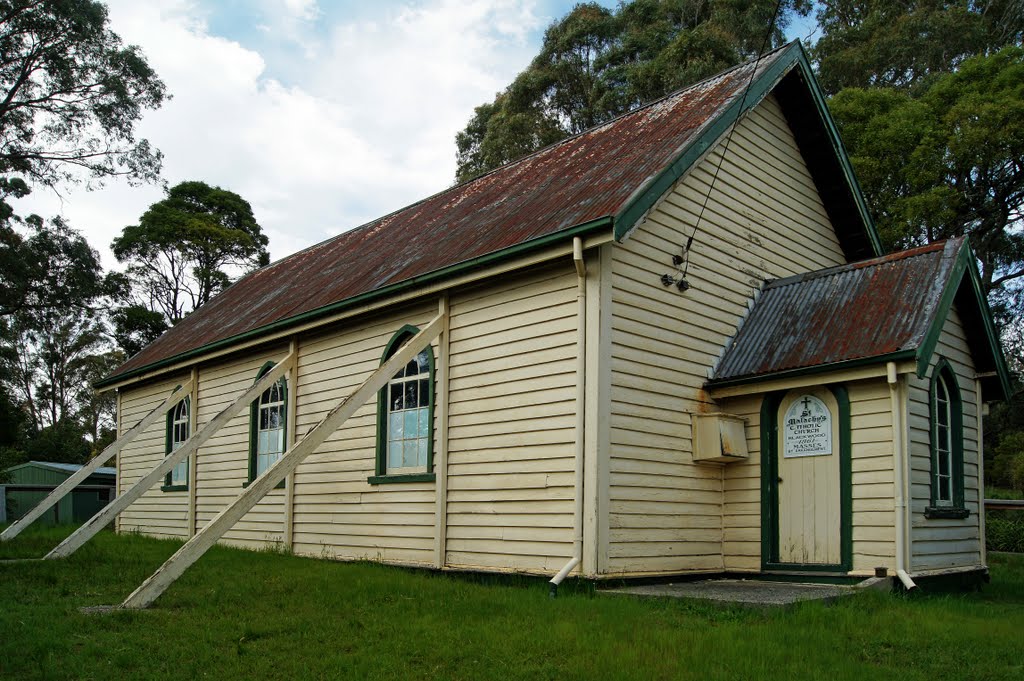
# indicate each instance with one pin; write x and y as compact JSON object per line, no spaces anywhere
{"x":244,"y":615}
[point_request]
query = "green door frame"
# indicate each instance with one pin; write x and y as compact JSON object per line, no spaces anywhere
{"x":770,"y":485}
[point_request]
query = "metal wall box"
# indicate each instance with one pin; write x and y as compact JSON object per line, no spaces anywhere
{"x":719,"y":438}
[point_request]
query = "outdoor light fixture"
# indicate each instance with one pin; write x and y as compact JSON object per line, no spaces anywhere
{"x":680,"y":262}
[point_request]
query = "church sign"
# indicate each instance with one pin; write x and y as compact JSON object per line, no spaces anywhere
{"x":807,"y":428}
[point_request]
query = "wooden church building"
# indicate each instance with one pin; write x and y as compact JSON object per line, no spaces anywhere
{"x":668,"y":345}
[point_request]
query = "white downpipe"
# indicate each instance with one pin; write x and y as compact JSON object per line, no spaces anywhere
{"x":980,"y":411}
{"x":563,"y":573}
{"x":908,"y":583}
{"x":899,"y":455}
{"x":581,"y":367}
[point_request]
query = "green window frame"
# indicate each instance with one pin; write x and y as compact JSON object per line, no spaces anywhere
{"x":268,"y":426}
{"x":946,"y":426}
{"x":405,"y":417}
{"x":179,"y":428}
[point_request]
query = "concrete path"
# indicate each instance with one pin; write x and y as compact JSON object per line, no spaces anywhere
{"x":740,"y":591}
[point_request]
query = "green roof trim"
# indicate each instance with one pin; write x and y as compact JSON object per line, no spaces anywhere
{"x":793,"y":56}
{"x":504,"y":254}
{"x":964,"y":267}
{"x":963,"y":270}
{"x":811,"y":370}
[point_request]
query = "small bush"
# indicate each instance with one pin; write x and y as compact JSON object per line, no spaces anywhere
{"x":1004,"y":531}
{"x":1007,"y":467}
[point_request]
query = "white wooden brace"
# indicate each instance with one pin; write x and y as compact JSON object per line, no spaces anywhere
{"x":114,"y":508}
{"x":188,"y":554}
{"x":88,"y":469}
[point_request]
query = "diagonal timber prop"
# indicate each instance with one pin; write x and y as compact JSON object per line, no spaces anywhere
{"x":88,"y":469}
{"x":114,"y":508}
{"x":188,"y":554}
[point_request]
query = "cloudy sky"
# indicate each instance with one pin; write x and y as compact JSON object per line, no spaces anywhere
{"x":323,"y":115}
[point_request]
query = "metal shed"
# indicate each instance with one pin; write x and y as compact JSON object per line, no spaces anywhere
{"x":31,"y":482}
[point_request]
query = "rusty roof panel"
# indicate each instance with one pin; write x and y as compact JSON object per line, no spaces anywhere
{"x":866,"y":309}
{"x":584,"y":178}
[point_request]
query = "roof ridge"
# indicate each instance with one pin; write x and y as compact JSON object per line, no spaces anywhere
{"x":896,"y":256}
{"x":647,"y":105}
{"x":631,"y":112}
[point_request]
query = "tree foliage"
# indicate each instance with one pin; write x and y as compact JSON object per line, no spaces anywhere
{"x":70,"y":94}
{"x":49,"y":267}
{"x":899,"y":43}
{"x":49,"y":348}
{"x":597,"y":63}
{"x":135,"y":327}
{"x":187,"y":246}
{"x":947,"y":161}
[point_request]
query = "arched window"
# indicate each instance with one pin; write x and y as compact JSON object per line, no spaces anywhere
{"x":267,"y":426}
{"x":405,"y":417}
{"x":947,"y":444}
{"x":178,"y":430}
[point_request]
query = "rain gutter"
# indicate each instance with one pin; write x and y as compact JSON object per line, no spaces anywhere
{"x":523,"y":248}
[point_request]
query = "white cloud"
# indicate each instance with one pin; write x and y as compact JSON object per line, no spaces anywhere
{"x":367,"y":128}
{"x":307,"y":10}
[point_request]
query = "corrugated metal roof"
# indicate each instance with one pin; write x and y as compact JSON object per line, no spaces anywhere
{"x":863,"y":310}
{"x":584,"y":178}
{"x":73,"y":467}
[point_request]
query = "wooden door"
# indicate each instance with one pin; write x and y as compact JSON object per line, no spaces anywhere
{"x":808,"y":483}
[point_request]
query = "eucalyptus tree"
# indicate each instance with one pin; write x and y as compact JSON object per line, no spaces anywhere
{"x":187,"y":247}
{"x":596,"y":63}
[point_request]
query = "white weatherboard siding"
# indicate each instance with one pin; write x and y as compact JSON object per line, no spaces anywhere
{"x":511,"y":434}
{"x":337,"y":513}
{"x":935,"y":542}
{"x":158,"y":513}
{"x":222,"y":463}
{"x":874,"y":541}
{"x":511,"y":423}
{"x":874,"y":488}
{"x":764,"y":220}
{"x":741,"y":512}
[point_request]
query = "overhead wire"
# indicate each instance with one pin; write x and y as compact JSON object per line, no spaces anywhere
{"x":728,"y":139}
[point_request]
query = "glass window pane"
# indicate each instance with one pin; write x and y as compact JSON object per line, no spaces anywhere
{"x":410,"y":395}
{"x":944,"y":464}
{"x":409,"y":453}
{"x":274,"y":418}
{"x":424,"y":393}
{"x":280,"y":440}
{"x":395,"y":428}
{"x":422,"y":460}
{"x":396,"y":397}
{"x":411,"y":369}
{"x":395,"y":454}
{"x":424,"y":429}
{"x":423,"y":362}
{"x":262,"y":442}
{"x":179,"y":474}
{"x":411,"y":424}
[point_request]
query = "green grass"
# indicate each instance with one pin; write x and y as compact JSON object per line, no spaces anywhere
{"x":1002,"y":493}
{"x":1004,"y":529}
{"x":244,"y":615}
